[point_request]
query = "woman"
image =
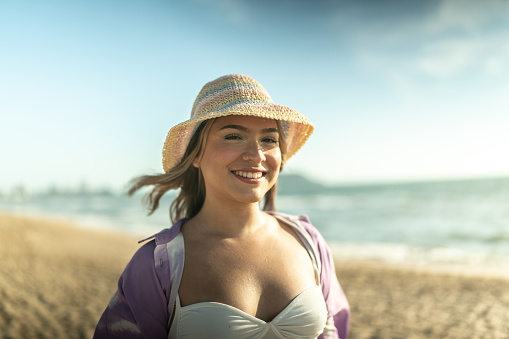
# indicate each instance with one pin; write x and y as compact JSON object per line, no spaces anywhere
{"x":226,"y":269}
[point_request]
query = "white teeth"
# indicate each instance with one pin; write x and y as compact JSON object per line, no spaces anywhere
{"x":250,"y":175}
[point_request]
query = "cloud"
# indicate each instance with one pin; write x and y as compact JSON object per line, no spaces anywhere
{"x":440,"y":41}
{"x":467,"y":15}
{"x":469,"y":35}
{"x":448,"y":57}
{"x":423,"y":48}
{"x":497,"y":64}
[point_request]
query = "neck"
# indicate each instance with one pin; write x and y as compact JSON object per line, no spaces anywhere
{"x":231,"y":220}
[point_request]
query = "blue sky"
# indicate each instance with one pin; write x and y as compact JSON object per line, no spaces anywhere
{"x":398,"y":90}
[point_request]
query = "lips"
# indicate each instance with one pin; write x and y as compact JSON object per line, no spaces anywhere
{"x":249,"y":175}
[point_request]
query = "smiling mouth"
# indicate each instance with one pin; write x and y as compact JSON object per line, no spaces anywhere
{"x":249,"y":175}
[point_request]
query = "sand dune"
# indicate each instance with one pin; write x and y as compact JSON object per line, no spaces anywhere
{"x":56,"y":279}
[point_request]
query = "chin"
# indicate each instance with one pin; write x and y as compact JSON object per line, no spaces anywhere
{"x":254,"y":197}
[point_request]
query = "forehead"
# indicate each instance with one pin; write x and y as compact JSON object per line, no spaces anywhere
{"x":251,"y":123}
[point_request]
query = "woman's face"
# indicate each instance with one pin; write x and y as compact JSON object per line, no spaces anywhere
{"x":241,"y":160}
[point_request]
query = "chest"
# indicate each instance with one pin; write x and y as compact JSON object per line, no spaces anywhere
{"x":258,"y":277}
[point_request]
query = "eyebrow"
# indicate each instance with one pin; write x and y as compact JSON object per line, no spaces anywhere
{"x":244,"y":129}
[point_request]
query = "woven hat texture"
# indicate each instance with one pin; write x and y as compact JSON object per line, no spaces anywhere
{"x":235,"y":94}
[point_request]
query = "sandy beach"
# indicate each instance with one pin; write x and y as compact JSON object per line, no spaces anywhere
{"x":56,"y":279}
{"x":394,"y":303}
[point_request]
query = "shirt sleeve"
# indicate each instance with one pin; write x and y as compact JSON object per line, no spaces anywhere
{"x":337,"y":305}
{"x":138,"y":308}
{"x":335,"y":299}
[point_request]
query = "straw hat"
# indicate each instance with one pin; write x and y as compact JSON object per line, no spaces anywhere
{"x":235,"y":94}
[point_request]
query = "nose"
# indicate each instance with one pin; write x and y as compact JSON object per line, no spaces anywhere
{"x":254,"y":153}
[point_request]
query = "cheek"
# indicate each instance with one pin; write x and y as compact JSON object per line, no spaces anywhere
{"x":274,"y":158}
{"x":219,"y":156}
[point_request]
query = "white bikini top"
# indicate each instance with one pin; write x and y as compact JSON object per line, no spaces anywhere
{"x":304,"y":317}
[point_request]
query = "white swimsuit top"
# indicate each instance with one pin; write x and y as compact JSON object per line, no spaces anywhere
{"x":304,"y":317}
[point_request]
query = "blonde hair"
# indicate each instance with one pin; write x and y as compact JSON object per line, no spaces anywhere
{"x":189,"y":180}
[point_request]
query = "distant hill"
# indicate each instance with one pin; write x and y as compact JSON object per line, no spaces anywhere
{"x":294,"y":184}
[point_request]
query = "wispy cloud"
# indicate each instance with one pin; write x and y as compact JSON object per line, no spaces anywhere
{"x":467,"y":15}
{"x":448,"y":57}
{"x":413,"y":42}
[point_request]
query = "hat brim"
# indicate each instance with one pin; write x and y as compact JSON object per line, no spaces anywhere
{"x":297,"y":130}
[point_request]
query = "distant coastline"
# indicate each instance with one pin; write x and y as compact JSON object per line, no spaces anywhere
{"x":288,"y":184}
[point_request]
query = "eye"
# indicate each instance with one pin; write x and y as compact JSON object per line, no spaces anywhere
{"x":270,"y":140}
{"x":232,"y":137}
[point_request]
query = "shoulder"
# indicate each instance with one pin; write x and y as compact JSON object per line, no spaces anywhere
{"x":290,"y":217}
{"x":303,"y":225}
{"x":166,"y":235}
{"x":144,"y":254}
{"x":304,"y":222}
{"x":151,"y":259}
{"x":141,"y":264}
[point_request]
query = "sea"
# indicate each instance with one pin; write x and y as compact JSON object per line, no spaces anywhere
{"x":449,"y":225}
